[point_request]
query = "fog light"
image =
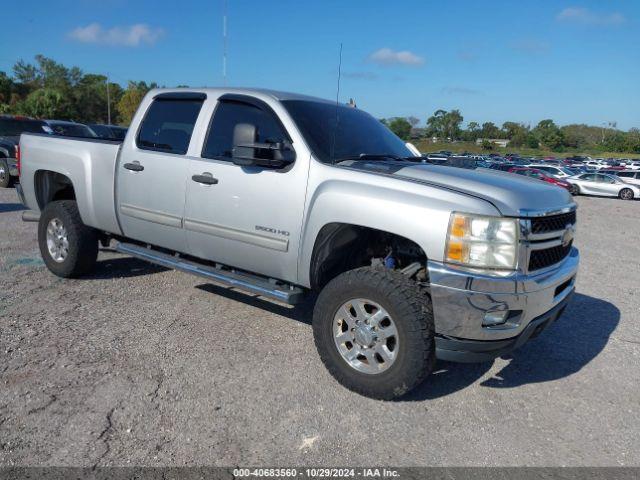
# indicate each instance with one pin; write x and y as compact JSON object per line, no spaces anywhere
{"x":498,"y":317}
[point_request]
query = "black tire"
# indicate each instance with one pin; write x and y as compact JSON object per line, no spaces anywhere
{"x":5,"y":176}
{"x":626,"y":194}
{"x":575,"y":190}
{"x":411,"y":310}
{"x":82,"y":249}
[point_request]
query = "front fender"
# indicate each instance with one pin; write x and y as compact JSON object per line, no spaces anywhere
{"x":415,"y":211}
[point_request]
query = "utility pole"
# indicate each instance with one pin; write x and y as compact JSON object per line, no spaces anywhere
{"x":108,"y":104}
{"x":224,"y":43}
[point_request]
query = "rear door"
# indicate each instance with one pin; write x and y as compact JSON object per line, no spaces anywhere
{"x":246,"y":216}
{"x":153,"y":168}
{"x":605,"y":185}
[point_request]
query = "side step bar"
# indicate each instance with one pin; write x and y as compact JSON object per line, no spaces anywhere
{"x":244,"y":281}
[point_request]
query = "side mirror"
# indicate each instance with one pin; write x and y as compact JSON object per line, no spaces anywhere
{"x":248,"y":152}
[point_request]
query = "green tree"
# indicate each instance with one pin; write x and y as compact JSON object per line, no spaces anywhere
{"x":130,"y":100}
{"x":436,"y":124}
{"x":452,"y":122}
{"x":486,"y":144}
{"x":549,"y":134}
{"x":401,"y":127}
{"x":46,"y":103}
{"x":490,"y":130}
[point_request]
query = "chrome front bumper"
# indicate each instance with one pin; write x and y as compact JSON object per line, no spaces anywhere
{"x":462,"y":298}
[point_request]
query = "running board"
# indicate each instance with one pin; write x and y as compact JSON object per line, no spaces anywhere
{"x":244,"y":281}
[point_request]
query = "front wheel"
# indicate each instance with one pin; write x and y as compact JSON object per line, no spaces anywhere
{"x":374,"y":332}
{"x":68,"y":247}
{"x":574,"y":190}
{"x":626,"y":194}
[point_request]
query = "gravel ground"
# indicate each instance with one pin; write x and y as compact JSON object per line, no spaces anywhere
{"x":138,"y":365}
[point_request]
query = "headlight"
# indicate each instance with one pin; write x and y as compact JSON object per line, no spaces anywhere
{"x":482,"y":242}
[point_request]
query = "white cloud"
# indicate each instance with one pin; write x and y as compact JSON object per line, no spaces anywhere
{"x":585,"y":16}
{"x":127,"y":36}
{"x":386,"y":56}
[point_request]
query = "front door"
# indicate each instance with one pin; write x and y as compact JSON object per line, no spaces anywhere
{"x":153,"y":169}
{"x":247,"y":217}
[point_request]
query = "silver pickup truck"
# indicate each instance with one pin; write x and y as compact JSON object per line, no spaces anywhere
{"x":280,"y":195}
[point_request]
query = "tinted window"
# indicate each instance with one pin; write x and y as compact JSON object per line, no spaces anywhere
{"x":72,"y":130}
{"x":228,"y":114}
{"x":168,"y":125}
{"x":590,"y":176}
{"x":605,"y":179}
{"x":625,"y":174}
{"x":119,"y":132}
{"x":335,"y":131}
{"x":101,"y":130}
{"x":13,"y":127}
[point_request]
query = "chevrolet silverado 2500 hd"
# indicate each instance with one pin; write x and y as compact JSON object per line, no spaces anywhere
{"x":281,"y":194}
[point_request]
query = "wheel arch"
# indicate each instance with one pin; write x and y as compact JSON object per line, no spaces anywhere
{"x":50,"y":186}
{"x":340,"y":247}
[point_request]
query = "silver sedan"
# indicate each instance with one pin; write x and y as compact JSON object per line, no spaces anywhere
{"x":602,"y":185}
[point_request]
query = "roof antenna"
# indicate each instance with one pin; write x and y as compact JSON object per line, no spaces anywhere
{"x":335,"y":128}
{"x":224,"y":42}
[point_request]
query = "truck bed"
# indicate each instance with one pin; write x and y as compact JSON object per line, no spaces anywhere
{"x":87,"y":162}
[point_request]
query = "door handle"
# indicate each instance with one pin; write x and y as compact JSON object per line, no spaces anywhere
{"x":134,"y":166}
{"x":206,"y":178}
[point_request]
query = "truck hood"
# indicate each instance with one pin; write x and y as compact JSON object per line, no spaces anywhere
{"x":511,"y":194}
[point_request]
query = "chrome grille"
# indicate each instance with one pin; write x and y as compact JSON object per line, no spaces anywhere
{"x":540,"y":259}
{"x":544,"y":240}
{"x":553,"y":223}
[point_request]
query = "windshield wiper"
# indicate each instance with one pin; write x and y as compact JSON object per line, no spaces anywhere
{"x":369,"y":156}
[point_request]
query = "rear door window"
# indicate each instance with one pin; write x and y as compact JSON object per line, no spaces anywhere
{"x":168,"y":125}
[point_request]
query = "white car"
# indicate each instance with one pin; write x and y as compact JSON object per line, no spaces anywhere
{"x":558,"y":172}
{"x":634,"y":165}
{"x":629,"y":176}
{"x":603,"y":185}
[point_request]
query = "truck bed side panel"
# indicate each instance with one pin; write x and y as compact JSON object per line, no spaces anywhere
{"x":89,"y":164}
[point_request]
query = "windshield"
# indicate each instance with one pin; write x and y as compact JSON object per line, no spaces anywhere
{"x":357,"y":132}
{"x":10,"y":127}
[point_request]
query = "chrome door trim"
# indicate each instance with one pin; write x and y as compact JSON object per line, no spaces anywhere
{"x":153,"y":216}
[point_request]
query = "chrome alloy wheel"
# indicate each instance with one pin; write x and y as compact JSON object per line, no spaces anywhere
{"x":57,"y":241}
{"x":365,"y":335}
{"x":3,"y":172}
{"x":626,"y":194}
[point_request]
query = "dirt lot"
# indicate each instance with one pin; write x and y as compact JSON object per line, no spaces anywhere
{"x":138,"y":365}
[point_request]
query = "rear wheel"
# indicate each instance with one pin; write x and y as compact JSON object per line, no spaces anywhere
{"x":68,"y":247}
{"x":374,"y":332}
{"x":626,"y":194}
{"x":5,"y":177}
{"x":574,"y":190}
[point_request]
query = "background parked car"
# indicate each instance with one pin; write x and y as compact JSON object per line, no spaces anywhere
{"x":540,"y":175}
{"x":70,"y":129}
{"x":437,"y":158}
{"x":629,"y":176}
{"x":108,"y":132}
{"x":603,"y":185}
{"x":11,"y":127}
{"x":555,"y":171}
{"x":505,"y":167}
